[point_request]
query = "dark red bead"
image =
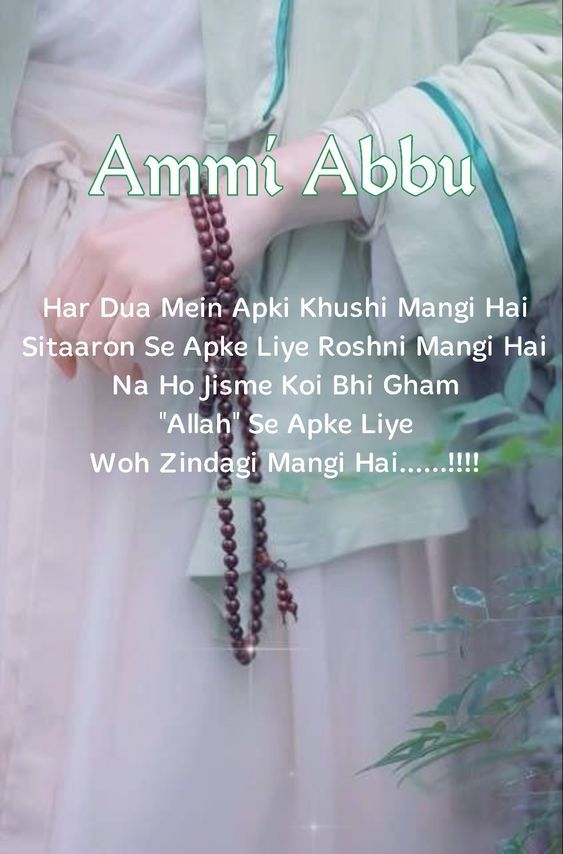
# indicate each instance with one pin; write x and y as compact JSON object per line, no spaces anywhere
{"x":224,"y":502}
{"x":256,"y":626}
{"x":222,"y":330}
{"x":227,"y":300}
{"x":222,"y":235}
{"x":251,"y":445}
{"x":231,"y":592}
{"x":237,"y":633}
{"x":255,"y":477}
{"x":226,"y":515}
{"x":225,"y":408}
{"x":229,"y":546}
{"x":225,"y":283}
{"x":224,"y":484}
{"x":232,"y":608}
{"x":227,"y":267}
{"x":210,"y":272}
{"x":261,"y":538}
{"x":257,"y":611}
{"x":218,"y":221}
{"x":201,"y":224}
{"x":198,"y":212}
{"x":224,"y":251}
{"x":225,"y":452}
{"x":208,"y":256}
{"x":234,"y":621}
{"x":231,"y":576}
{"x":211,"y":290}
{"x":244,"y":657}
{"x":228,"y":531}
{"x":281,"y":583}
{"x":214,"y":206}
{"x":259,"y":523}
{"x":262,"y":559}
{"x":258,"y":596}
{"x":205,"y":240}
{"x":230,"y":561}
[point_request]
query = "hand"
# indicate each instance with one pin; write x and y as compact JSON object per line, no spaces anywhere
{"x":142,"y":257}
{"x":146,"y":256}
{"x":138,"y":258}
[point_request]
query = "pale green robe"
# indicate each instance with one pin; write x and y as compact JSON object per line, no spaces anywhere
{"x":288,"y":67}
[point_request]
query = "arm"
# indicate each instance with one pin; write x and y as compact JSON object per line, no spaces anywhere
{"x":507,"y":91}
{"x":503,"y":106}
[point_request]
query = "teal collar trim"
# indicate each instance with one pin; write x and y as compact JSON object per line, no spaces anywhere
{"x":491,"y":184}
{"x":281,"y":57}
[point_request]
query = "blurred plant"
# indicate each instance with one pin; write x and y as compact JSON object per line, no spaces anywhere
{"x":488,"y":718}
{"x":509,"y":435}
{"x":486,"y":723}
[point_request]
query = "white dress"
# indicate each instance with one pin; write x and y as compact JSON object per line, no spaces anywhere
{"x":125,"y":725}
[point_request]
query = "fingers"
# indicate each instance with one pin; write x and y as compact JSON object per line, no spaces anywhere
{"x":127,"y":330}
{"x":87,"y":277}
{"x":95,"y":328}
{"x":77,"y":282}
{"x":59,"y":286}
{"x":137,"y":259}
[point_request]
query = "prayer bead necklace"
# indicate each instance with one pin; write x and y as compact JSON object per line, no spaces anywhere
{"x":220,"y":286}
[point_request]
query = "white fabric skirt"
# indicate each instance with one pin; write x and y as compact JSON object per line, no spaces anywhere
{"x":126,"y":727}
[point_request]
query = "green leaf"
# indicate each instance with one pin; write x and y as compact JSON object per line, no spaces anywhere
{"x":528,"y":596}
{"x":470,"y":596}
{"x":456,"y":624}
{"x":525,"y":424}
{"x":551,"y":440}
{"x":448,"y":708}
{"x":514,"y":451}
{"x":518,"y":382}
{"x":491,"y":406}
{"x":482,"y":685}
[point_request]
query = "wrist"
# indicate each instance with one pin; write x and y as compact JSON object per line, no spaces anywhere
{"x":291,"y":209}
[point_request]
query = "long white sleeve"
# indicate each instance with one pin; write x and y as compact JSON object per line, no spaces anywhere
{"x":501,"y":105}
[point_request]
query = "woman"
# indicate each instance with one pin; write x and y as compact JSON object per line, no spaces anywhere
{"x":126,"y":726}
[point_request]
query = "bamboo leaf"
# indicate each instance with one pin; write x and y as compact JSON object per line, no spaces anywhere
{"x":455,"y":625}
{"x":526,"y":424}
{"x":491,"y":406}
{"x":470,"y":596}
{"x":518,"y":382}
